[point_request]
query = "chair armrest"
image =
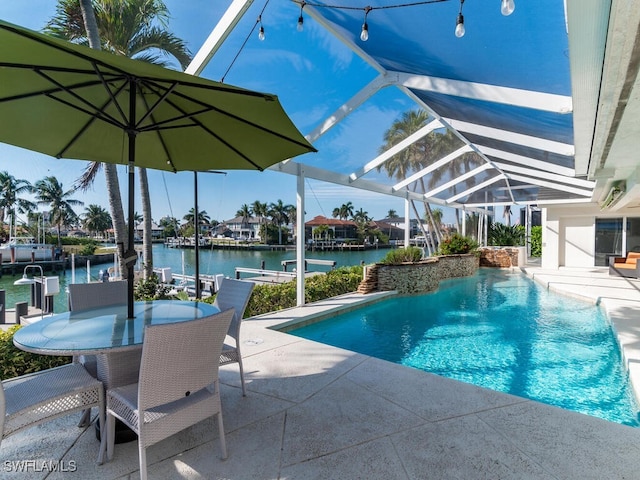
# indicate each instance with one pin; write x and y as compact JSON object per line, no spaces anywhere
{"x":614,"y":260}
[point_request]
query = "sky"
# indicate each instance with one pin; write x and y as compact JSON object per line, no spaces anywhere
{"x":312,"y":73}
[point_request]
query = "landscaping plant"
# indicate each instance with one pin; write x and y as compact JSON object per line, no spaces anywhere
{"x":456,"y":244}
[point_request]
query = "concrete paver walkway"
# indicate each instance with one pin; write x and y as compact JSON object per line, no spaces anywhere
{"x":317,"y":412}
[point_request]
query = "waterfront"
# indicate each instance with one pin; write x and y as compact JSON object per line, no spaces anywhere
{"x":212,"y":262}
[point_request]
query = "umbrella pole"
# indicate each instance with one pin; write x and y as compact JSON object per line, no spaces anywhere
{"x":196,"y":236}
{"x":130,"y":262}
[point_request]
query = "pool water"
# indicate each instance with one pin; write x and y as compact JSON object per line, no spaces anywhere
{"x":498,"y":330}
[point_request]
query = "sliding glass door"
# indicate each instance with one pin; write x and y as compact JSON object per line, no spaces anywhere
{"x":609,"y":239}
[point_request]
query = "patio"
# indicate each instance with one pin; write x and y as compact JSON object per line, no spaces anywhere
{"x":314,"y":411}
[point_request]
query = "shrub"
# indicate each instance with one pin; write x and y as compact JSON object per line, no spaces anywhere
{"x":506,"y":236}
{"x":15,"y":362}
{"x":402,"y":255}
{"x":151,"y":289}
{"x":270,"y":298}
{"x":536,"y":241}
{"x":456,"y":244}
{"x":88,"y":249}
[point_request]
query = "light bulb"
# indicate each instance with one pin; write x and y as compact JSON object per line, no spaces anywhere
{"x":507,"y":8}
{"x":261,"y":34}
{"x":364,"y":35}
{"x":460,"y":26}
{"x":300,"y":26}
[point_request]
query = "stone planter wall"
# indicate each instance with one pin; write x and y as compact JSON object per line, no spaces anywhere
{"x":501,"y":257}
{"x":424,"y":276}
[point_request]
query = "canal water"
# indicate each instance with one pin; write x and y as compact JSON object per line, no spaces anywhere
{"x":212,"y":262}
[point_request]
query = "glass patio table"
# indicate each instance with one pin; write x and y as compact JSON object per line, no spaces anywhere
{"x":104,"y":330}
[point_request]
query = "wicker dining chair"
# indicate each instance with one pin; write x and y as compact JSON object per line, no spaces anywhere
{"x":177,"y":386}
{"x":83,"y":296}
{"x":42,"y":396}
{"x":234,"y":294}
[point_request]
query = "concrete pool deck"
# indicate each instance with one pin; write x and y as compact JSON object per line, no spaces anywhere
{"x":317,"y":412}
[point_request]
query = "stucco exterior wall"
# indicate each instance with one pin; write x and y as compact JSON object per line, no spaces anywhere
{"x":568,"y":233}
{"x":425,"y":276}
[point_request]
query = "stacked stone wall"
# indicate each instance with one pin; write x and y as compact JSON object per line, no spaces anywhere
{"x":501,"y":257}
{"x":424,"y":276}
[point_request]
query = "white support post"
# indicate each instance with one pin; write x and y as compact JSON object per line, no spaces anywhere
{"x":300,"y":241}
{"x":217,"y":37}
{"x":407,"y":223}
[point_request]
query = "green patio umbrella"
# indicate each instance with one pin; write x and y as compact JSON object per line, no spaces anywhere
{"x":69,"y":101}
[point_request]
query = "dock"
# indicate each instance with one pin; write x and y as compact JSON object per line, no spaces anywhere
{"x":17,"y":268}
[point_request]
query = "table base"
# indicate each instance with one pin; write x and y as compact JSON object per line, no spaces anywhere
{"x":123,"y":433}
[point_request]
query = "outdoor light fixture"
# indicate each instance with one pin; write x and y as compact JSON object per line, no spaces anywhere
{"x":460,"y":22}
{"x":25,"y":280}
{"x":261,"y":31}
{"x":616,"y":192}
{"x":507,"y":8}
{"x":364,"y":34}
{"x":300,"y":26}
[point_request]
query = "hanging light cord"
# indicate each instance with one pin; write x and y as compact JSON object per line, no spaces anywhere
{"x":258,"y":22}
{"x":384,"y":7}
{"x":507,"y":8}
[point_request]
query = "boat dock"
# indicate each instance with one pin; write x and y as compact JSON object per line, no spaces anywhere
{"x":17,"y":268}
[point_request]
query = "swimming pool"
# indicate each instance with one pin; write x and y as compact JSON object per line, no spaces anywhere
{"x":498,"y":330}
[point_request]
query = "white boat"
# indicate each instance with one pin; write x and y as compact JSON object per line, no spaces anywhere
{"x":26,"y":249}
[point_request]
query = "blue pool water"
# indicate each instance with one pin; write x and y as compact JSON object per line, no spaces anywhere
{"x":501,"y":331}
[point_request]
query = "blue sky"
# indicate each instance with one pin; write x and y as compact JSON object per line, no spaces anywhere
{"x":311,"y":72}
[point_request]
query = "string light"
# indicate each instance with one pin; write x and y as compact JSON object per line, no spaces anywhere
{"x":507,"y":7}
{"x":300,"y":26}
{"x":459,"y":31}
{"x":261,"y":31}
{"x":364,"y":34}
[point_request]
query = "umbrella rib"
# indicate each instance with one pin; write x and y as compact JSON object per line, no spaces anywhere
{"x":161,"y":99}
{"x":160,"y":138}
{"x":206,"y":129}
{"x":162,"y":125}
{"x":107,"y":87}
{"x":208,"y":108}
{"x":94,"y":117}
{"x":95,"y":111}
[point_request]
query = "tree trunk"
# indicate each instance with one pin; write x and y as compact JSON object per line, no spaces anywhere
{"x":90,"y":24}
{"x":427,"y":237}
{"x":147,"y":240}
{"x":110,"y":170}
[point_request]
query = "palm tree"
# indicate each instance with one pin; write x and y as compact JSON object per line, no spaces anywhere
{"x":280,"y":215}
{"x":260,"y":210}
{"x":245,"y":214}
{"x":50,"y":192}
{"x":170,"y":226}
{"x":361,"y":216}
{"x":10,"y":201}
{"x":135,"y":29}
{"x":96,"y":219}
{"x":392,"y":214}
{"x":203,"y":217}
{"x":344,"y":211}
{"x":413,"y":158}
{"x":443,"y":144}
